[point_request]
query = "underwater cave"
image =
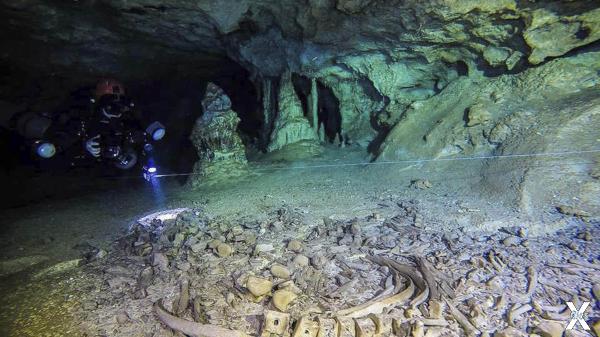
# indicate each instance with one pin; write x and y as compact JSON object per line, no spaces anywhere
{"x":305,"y":169}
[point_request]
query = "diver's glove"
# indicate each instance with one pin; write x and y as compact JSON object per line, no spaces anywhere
{"x":93,"y":146}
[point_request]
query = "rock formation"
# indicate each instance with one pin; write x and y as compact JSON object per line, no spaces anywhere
{"x":220,"y":149}
{"x":412,"y":79}
{"x":290,"y":124}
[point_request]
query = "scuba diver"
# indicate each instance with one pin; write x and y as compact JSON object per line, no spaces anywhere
{"x":107,"y":131}
{"x":113,"y":125}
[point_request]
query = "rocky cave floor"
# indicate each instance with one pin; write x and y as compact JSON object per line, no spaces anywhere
{"x":367,"y":242}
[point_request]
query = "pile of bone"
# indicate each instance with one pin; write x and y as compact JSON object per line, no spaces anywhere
{"x":357,"y":277}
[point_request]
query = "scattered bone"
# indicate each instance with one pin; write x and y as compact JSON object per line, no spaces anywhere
{"x":346,"y":327}
{"x":193,"y":329}
{"x":418,"y":329}
{"x":184,"y":298}
{"x":328,"y":327}
{"x":436,"y":309}
{"x":510,"y":332}
{"x":517,"y":311}
{"x":585,"y":264}
{"x":378,"y":305}
{"x":275,"y":323}
{"x":533,"y":280}
{"x":435,"y":322}
{"x":365,"y":327}
{"x":462,"y":319}
{"x":550,"y":329}
{"x":557,"y":286}
{"x":306,"y":328}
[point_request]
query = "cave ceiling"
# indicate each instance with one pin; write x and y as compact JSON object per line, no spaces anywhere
{"x":126,"y":37}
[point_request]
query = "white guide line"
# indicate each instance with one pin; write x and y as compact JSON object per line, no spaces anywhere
{"x":409,"y":161}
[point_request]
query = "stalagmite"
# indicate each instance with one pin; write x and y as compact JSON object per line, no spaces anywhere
{"x":290,"y":124}
{"x":322,"y":133}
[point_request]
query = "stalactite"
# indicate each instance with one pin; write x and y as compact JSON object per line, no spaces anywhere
{"x":314,"y":104}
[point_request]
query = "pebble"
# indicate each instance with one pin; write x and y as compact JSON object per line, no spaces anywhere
{"x":301,"y":260}
{"x":258,"y":286}
{"x":280,"y":271}
{"x":224,"y":250}
{"x":295,"y":246}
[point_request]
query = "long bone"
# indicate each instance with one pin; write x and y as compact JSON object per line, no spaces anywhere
{"x":193,"y":329}
{"x":377,"y":305}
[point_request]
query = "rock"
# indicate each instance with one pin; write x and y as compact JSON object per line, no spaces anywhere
{"x":352,"y":6}
{"x":58,"y":268}
{"x":290,"y":125}
{"x":550,"y":329}
{"x":295,"y":246}
{"x":496,"y":56}
{"x":258,"y":286}
{"x":511,"y":241}
{"x":224,"y":250}
{"x":122,"y":318}
{"x":499,"y":133}
{"x":301,"y":260}
{"x":221,"y":153}
{"x":16,"y":265}
{"x":178,"y":241}
{"x":548,"y":34}
{"x":280,"y":271}
{"x":160,"y":261}
{"x":478,"y":114}
{"x":421,"y":184}
{"x":282,"y":298}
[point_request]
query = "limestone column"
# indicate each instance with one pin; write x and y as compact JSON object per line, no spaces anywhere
{"x":314,"y":104}
{"x":267,"y":110}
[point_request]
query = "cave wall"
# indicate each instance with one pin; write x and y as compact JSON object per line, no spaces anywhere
{"x":412,"y":78}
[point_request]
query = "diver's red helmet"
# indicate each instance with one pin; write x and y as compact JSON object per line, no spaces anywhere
{"x":109,"y":86}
